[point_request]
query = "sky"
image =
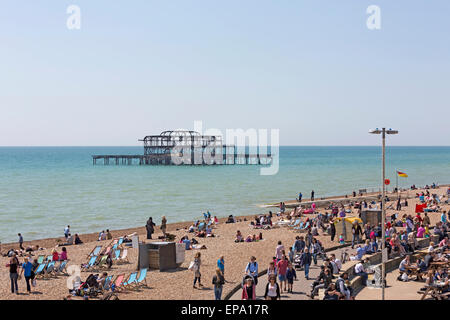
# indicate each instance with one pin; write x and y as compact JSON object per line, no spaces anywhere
{"x":311,"y":69}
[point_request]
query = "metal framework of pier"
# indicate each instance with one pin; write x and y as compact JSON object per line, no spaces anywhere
{"x":186,"y":148}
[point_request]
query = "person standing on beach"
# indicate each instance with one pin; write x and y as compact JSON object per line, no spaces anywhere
{"x":150,"y":226}
{"x":66,"y":231}
{"x":197,"y":274}
{"x":13,"y":266}
{"x":21,"y":241}
{"x":221,"y":265}
{"x":300,"y":197}
{"x":312,"y":195}
{"x":27,"y":268}
{"x":164,"y":225}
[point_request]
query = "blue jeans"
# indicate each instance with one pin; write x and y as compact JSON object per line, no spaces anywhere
{"x":306,"y":266}
{"x":217,"y":293}
{"x":14,"y":285}
{"x":314,"y":255}
{"x":355,"y":237}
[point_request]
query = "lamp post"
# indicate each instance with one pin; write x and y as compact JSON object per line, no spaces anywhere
{"x":383,"y":133}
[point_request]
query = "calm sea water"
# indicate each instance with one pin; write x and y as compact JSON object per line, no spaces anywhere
{"x":43,"y":189}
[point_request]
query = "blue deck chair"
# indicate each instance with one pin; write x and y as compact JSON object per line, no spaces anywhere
{"x":116,"y":254}
{"x":50,"y":268}
{"x":49,"y":258}
{"x":296,"y":223}
{"x":40,"y":270}
{"x":115,"y":246}
{"x":90,"y":263}
{"x":131,"y":280}
{"x":95,"y":251}
{"x":62,"y":267}
{"x":120,"y":241}
{"x":107,"y":284}
{"x":40,"y":259}
{"x":142,"y":279}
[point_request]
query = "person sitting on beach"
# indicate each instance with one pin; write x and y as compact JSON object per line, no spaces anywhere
{"x":101,"y":280}
{"x":55,"y":255}
{"x":239,"y":237}
{"x":216,"y":221}
{"x":230,"y":219}
{"x":249,"y":238}
{"x":77,"y":239}
{"x":108,"y":234}
{"x":63,"y":254}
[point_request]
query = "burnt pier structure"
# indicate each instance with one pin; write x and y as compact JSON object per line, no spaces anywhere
{"x":187,"y":148}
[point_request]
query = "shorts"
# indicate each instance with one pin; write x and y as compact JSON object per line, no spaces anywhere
{"x":290,"y":281}
{"x":282,"y":277}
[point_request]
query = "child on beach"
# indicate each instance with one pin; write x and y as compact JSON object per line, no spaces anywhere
{"x":341,"y":239}
{"x":290,"y":276}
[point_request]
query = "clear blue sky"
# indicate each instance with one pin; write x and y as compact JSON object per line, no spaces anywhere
{"x":310,"y":68}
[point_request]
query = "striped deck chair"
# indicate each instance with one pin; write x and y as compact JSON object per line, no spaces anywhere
{"x":115,"y":246}
{"x":295,"y":224}
{"x":118,"y":282}
{"x":131,"y":281}
{"x":49,"y":258}
{"x":61,"y":268}
{"x":90,"y":264}
{"x":142,"y":279}
{"x":39,"y":272}
{"x":120,"y":242}
{"x":116,"y":254}
{"x":106,"y":250}
{"x":50,"y":268}
{"x":107,"y":284}
{"x":124,"y":257}
{"x":40,"y":259}
{"x":95,"y":251}
{"x":102,"y":263}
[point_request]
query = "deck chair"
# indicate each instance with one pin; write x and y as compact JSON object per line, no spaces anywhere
{"x":90,"y":264}
{"x":40,"y":259}
{"x":115,"y":246}
{"x":131,"y":281}
{"x":142,"y":279}
{"x":39,"y":272}
{"x":95,"y":251}
{"x":102,"y":262}
{"x":116,"y":254}
{"x":50,"y":269}
{"x":120,"y":242}
{"x":107,"y":284}
{"x":124,"y":257}
{"x":106,"y":250}
{"x":295,"y":224}
{"x":62,"y":268}
{"x":118,"y":282}
{"x":49,"y":258}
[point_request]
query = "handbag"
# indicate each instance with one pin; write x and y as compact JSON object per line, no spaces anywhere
{"x":191,"y":266}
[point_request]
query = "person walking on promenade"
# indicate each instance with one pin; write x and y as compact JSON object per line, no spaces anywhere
{"x":312,"y":195}
{"x":272,"y":289}
{"x":306,"y":261}
{"x":356,"y":233}
{"x":150,"y":226}
{"x":218,"y":281}
{"x":252,"y":269}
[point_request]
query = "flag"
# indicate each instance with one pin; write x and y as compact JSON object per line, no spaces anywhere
{"x":402,"y":174}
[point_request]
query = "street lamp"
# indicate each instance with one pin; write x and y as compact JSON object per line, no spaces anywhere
{"x":383,"y":133}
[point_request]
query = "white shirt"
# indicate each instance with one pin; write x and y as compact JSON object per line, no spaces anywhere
{"x":359,"y":268}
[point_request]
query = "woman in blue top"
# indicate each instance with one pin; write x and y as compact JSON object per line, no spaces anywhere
{"x":27,"y":269}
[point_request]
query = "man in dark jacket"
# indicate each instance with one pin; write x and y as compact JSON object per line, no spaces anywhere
{"x":323,"y":281}
{"x":306,"y":261}
{"x":150,"y":226}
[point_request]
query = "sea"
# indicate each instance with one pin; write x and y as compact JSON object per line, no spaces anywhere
{"x":43,"y":189}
